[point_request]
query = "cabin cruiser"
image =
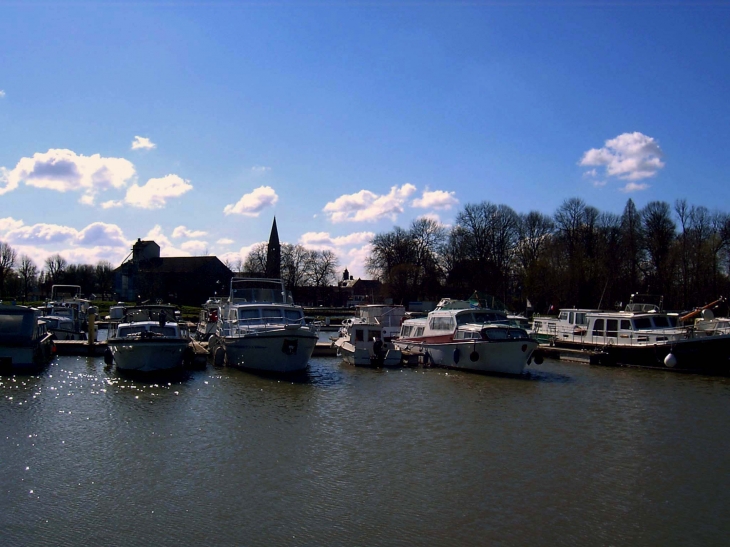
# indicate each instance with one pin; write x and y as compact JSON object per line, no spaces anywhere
{"x":363,"y":344}
{"x":25,"y":343}
{"x":389,"y":317}
{"x":149,"y":339}
{"x":260,"y":328}
{"x":645,"y":335}
{"x":570,"y":325}
{"x":458,"y":335}
{"x":67,"y":312}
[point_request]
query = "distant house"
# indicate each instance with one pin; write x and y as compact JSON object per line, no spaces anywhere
{"x":186,"y":280}
{"x":354,"y":292}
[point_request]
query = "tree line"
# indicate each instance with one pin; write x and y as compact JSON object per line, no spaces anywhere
{"x":579,"y":256}
{"x":22,"y":280}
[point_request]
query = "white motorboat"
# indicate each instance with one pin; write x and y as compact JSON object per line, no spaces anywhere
{"x":363,"y":345}
{"x":68,"y":313}
{"x":389,"y":317}
{"x":458,"y":335}
{"x":149,"y":339}
{"x":25,"y":343}
{"x":260,"y":328}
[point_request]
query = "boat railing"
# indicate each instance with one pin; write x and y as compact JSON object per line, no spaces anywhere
{"x":239,"y":327}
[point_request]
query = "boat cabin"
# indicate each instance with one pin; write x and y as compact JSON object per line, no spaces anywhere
{"x":490,"y":332}
{"x":623,"y":328}
{"x":150,"y":328}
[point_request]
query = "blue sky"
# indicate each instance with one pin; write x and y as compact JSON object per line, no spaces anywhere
{"x":195,"y":123}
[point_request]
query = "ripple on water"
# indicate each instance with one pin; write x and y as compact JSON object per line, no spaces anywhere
{"x":569,"y":454}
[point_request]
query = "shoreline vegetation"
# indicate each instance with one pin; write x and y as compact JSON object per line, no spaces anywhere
{"x":578,"y":256}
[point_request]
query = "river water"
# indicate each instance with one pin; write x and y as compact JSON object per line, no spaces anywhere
{"x":568,"y":455}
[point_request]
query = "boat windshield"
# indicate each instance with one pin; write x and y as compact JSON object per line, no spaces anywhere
{"x":16,"y":325}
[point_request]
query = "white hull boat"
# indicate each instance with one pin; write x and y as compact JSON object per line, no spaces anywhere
{"x":460,"y":336}
{"x":259,"y":328}
{"x":146,"y":342}
{"x":360,"y":344}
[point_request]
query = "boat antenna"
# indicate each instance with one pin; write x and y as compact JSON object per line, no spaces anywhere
{"x":602,"y":294}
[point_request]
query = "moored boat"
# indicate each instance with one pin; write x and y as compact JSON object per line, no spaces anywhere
{"x":208,"y":319}
{"x":260,"y":328}
{"x":645,"y":335}
{"x":149,"y":339}
{"x":25,"y":343}
{"x":363,"y":345}
{"x":458,"y":335}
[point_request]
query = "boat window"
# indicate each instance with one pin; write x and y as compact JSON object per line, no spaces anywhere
{"x":52,"y":323}
{"x":126,"y":331}
{"x":293,"y":315}
{"x":460,"y":334}
{"x":165,"y":331}
{"x":563,"y":315}
{"x":419,"y":331}
{"x":14,"y":324}
{"x":495,"y":334}
{"x":405,"y":330}
{"x":271,"y":313}
{"x":642,"y":323}
{"x":598,"y":327}
{"x":580,"y":319}
{"x":672,"y":320}
{"x":464,"y":318}
{"x":661,"y":321}
{"x":625,"y":324}
{"x":571,"y":318}
{"x":359,"y":335}
{"x":442,"y":323}
{"x":518,"y":334}
{"x":249,"y":315}
{"x":537,"y":325}
{"x":612,"y":327}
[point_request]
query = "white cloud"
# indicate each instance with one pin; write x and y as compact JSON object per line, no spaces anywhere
{"x":157,"y":235}
{"x":9,"y":223}
{"x":183,"y":231}
{"x":225,"y":241}
{"x":195,"y":246}
{"x":112,"y":203}
{"x":100,"y":234}
{"x":63,"y":171}
{"x":2,"y":93}
{"x":431,"y":216}
{"x":6,"y":185}
{"x":634,"y":187}
{"x":630,"y":156}
{"x":323,"y":240}
{"x":41,"y":234}
{"x":155,"y":193}
{"x":438,"y":199}
{"x":252,"y":204}
{"x":366,"y":206}
{"x":142,"y":143}
{"x":260,"y":169}
{"x":355,"y":260}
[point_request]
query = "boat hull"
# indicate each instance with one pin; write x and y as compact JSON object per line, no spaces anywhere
{"x":497,"y":357}
{"x":361,"y":357}
{"x":148,"y":355}
{"x":709,"y":354}
{"x":26,"y":358}
{"x":277,"y":351}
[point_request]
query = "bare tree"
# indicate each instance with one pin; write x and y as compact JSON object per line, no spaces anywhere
{"x":55,"y":267}
{"x":28,"y":272}
{"x":294,"y":260}
{"x":321,"y":268}
{"x":8,"y":256}
{"x":255,"y":261}
{"x":104,"y":278}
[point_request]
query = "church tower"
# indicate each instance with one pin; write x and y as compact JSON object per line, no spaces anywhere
{"x":273,"y":254}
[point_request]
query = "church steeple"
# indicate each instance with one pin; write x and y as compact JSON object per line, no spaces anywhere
{"x":273,"y":254}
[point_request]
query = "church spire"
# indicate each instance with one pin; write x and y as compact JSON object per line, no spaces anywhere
{"x":273,"y":254}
